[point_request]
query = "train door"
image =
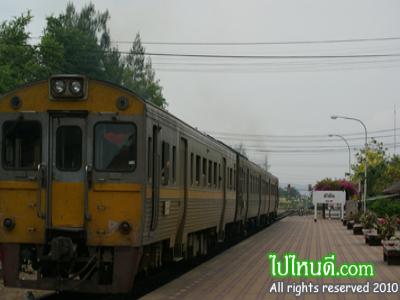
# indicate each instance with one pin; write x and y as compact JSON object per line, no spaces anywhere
{"x":155,"y":178}
{"x":66,"y":171}
{"x":183,"y":170}
{"x":247,"y":194}
{"x":259,"y":185}
{"x":239,"y":192}
{"x":221,"y":223}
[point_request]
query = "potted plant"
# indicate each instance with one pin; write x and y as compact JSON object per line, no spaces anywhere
{"x":353,"y":219}
{"x":386,"y":226}
{"x":368,"y":221}
{"x":357,"y":227}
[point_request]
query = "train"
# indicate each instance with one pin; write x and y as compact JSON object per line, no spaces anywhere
{"x":98,"y":186}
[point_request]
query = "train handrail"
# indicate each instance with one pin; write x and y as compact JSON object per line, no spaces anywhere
{"x":88,"y":184}
{"x":40,"y":171}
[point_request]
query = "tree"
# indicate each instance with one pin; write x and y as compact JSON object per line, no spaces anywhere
{"x":329,"y":184}
{"x":18,"y":60}
{"x":75,"y":42}
{"x":383,"y":169}
{"x":139,"y":75}
{"x":293,"y":194}
{"x":80,"y":43}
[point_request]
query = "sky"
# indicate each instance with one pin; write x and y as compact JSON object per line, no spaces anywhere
{"x":272,"y":104}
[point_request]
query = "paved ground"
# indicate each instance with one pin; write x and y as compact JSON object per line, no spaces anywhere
{"x":17,"y":294}
{"x":242,"y":272}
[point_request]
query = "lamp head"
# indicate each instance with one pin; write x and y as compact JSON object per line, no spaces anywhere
{"x":330,"y":135}
{"x":334,"y":117}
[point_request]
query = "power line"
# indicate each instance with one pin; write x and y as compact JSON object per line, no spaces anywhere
{"x":308,"y":150}
{"x":198,"y":55}
{"x":229,"y":134}
{"x":263,"y":64}
{"x":230,"y":56}
{"x":180,"y":43}
{"x":307,"y":147}
{"x":335,"y":41}
{"x":294,"y":141}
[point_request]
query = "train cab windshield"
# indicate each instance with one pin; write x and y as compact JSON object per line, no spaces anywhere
{"x":115,"y":147}
{"x":21,"y":144}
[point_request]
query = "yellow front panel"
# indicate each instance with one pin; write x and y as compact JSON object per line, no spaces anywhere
{"x":109,"y":205}
{"x":18,"y":201}
{"x":67,"y":204}
{"x":101,"y":98}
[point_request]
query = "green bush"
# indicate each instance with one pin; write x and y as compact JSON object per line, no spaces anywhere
{"x":384,"y":207}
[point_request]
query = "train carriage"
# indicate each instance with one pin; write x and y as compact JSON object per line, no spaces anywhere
{"x":95,"y":183}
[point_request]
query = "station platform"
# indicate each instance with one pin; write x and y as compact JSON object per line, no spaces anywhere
{"x":242,"y":272}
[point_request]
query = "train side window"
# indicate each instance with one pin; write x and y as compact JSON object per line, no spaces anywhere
{"x":209,"y":181}
{"x":21,"y":145}
{"x":191,"y":168}
{"x":215,"y":175}
{"x":69,"y":148}
{"x":165,"y":163}
{"x":115,"y":147}
{"x":198,"y":171}
{"x":174,"y":164}
{"x":204,"y":170}
{"x":149,"y":157}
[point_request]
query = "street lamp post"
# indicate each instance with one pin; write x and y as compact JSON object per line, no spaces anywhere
{"x":348,"y":146}
{"x":366,"y":159}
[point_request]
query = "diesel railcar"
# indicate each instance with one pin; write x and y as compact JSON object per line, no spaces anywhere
{"x":97,"y":186}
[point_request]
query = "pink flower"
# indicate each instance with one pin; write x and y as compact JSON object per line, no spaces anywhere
{"x":381,"y":221}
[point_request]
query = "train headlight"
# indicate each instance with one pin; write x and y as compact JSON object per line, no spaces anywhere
{"x":68,"y":87}
{"x":8,"y":224}
{"x":75,"y":87}
{"x":125,"y":227}
{"x":58,"y":86}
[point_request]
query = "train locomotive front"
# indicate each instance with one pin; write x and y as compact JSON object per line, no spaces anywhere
{"x":71,"y":185}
